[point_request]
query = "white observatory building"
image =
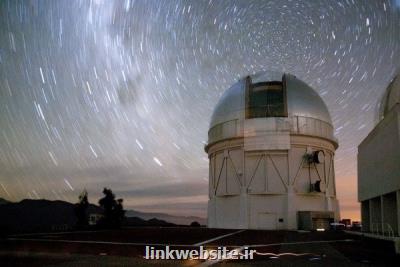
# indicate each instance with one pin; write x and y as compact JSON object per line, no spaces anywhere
{"x":271,"y":157}
{"x":379,"y":168}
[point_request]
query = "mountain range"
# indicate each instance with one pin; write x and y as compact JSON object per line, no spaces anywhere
{"x":31,"y":215}
{"x":180,"y":220}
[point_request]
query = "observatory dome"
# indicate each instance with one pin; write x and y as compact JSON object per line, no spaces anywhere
{"x":304,"y":109}
{"x":271,"y":155}
{"x":390,"y":98}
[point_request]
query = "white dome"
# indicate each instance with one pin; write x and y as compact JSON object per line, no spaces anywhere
{"x":390,"y":98}
{"x":302,"y":100}
{"x":280,"y":97}
{"x":264,"y":131}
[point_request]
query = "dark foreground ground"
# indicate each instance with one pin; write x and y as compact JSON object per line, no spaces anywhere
{"x":126,"y":247}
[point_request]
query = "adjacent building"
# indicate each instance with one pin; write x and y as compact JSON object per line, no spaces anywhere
{"x":379,"y":168}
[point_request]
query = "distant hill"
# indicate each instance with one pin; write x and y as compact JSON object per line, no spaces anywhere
{"x":136,"y":221}
{"x":31,"y":215}
{"x":3,"y":201}
{"x":181,"y":220}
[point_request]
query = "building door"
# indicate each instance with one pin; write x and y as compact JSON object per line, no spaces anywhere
{"x":321,"y":223}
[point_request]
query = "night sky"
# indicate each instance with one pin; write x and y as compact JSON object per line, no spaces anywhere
{"x":119,"y":94}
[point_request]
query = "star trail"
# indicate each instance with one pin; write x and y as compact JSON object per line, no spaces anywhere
{"x":120,"y":93}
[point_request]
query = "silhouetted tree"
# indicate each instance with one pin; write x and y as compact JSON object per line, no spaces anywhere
{"x":114,"y":212}
{"x":119,"y":212}
{"x":107,"y":203}
{"x":81,"y":209}
{"x":195,"y":224}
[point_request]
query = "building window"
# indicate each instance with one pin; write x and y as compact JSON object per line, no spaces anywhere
{"x":266,"y":99}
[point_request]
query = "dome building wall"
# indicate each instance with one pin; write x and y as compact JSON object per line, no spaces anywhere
{"x":260,"y":176}
{"x":378,"y":163}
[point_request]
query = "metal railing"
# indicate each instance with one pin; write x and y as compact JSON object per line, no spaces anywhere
{"x":295,"y":124}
